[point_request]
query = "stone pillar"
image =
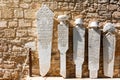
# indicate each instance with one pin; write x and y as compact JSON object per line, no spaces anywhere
{"x":45,"y":30}
{"x":63,"y":42}
{"x":78,"y":46}
{"x":109,"y":43}
{"x":93,"y":49}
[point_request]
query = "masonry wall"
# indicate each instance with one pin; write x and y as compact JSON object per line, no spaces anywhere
{"x":18,"y":30}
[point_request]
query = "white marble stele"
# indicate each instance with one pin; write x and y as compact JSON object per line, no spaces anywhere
{"x":93,"y":49}
{"x":109,"y":43}
{"x":63,"y":42}
{"x":78,"y":46}
{"x":45,"y":29}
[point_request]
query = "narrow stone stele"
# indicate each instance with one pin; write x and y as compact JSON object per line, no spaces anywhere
{"x":93,"y":49}
{"x":45,"y":30}
{"x":109,"y":43}
{"x":63,"y":42}
{"x":78,"y":46}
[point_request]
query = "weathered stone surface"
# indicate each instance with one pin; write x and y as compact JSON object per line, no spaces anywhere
{"x":3,"y":24}
{"x":12,"y":24}
{"x":114,"y":1}
{"x":31,"y":45}
{"x":93,"y":52}
{"x":22,"y":33}
{"x":63,"y":42}
{"x":109,"y":43}
{"x":30,"y":13}
{"x":116,"y":15}
{"x":103,"y":1}
{"x":79,"y":48}
{"x":112,"y":7}
{"x":27,"y":0}
{"x":18,"y":13}
{"x":0,"y":14}
{"x":45,"y":28}
{"x":24,"y":5}
{"x":24,"y":23}
{"x":1,"y":33}
{"x":7,"y":13}
{"x":102,"y":7}
{"x":10,"y":33}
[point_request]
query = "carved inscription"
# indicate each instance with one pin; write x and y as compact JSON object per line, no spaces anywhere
{"x":44,"y":29}
{"x":63,"y":37}
{"x":79,"y":48}
{"x":94,"y":51}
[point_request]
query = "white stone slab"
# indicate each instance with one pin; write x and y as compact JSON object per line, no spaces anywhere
{"x":78,"y":48}
{"x":109,"y":43}
{"x":45,"y":30}
{"x":93,"y":51}
{"x":63,"y":46}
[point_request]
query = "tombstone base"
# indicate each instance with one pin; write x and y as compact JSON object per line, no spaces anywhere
{"x":93,"y":73}
{"x":79,"y":71}
{"x":63,"y":65}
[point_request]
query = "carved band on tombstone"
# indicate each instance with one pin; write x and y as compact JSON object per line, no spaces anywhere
{"x":63,"y":42}
{"x":78,"y":46}
{"x":93,"y":49}
{"x":109,"y":43}
{"x":45,"y":30}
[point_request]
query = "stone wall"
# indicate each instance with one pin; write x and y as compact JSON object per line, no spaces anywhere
{"x":18,"y":30}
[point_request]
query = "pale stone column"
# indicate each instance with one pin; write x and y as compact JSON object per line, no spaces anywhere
{"x":63,"y":42}
{"x":45,"y":30}
{"x":78,"y":46}
{"x":93,"y":49}
{"x":109,"y":43}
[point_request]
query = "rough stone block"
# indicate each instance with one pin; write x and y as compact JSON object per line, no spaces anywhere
{"x":18,"y":13}
{"x":31,"y":45}
{"x":24,"y":5}
{"x":116,"y":15}
{"x":0,"y":13}
{"x":22,"y":33}
{"x":12,"y":24}
{"x":102,"y":7}
{"x":32,"y":32}
{"x":103,"y":1}
{"x":9,"y":33}
{"x":24,"y":23}
{"x":112,"y":7}
{"x":27,"y":1}
{"x":29,"y":13}
{"x":7,"y":12}
{"x":3,"y":23}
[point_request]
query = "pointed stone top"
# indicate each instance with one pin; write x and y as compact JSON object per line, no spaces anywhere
{"x":44,"y":11}
{"x":93,"y":24}
{"x":78,"y":21}
{"x":63,"y":17}
{"x":109,"y":27}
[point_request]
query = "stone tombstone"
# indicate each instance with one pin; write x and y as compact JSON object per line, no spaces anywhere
{"x":45,"y":30}
{"x":109,"y":43}
{"x":63,"y":42}
{"x":78,"y":46}
{"x":93,"y":49}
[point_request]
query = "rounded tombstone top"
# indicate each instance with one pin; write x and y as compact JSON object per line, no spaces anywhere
{"x":93,"y":24}
{"x":108,"y":27}
{"x":78,"y":21}
{"x":63,"y":17}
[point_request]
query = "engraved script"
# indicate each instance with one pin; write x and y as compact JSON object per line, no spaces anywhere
{"x":44,"y":29}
